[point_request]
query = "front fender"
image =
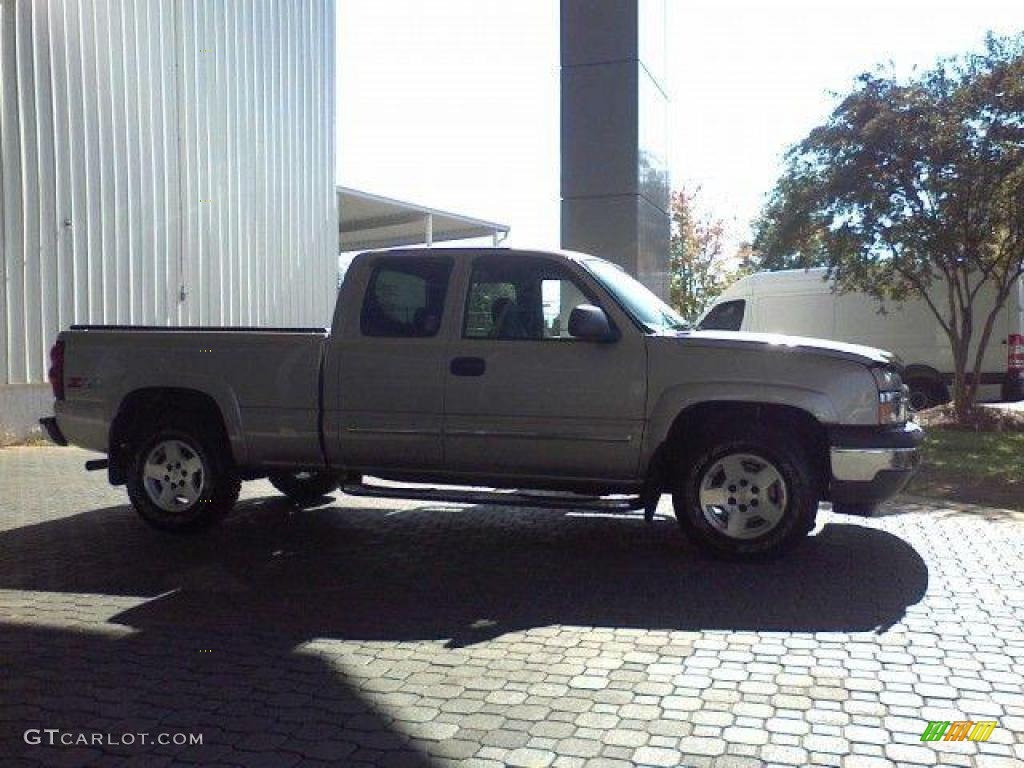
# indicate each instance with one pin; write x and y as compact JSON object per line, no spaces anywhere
{"x":677,"y":399}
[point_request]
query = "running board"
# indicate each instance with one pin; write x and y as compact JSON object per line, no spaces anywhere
{"x":502,"y":498}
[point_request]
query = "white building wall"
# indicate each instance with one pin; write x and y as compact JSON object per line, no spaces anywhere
{"x":163,"y":162}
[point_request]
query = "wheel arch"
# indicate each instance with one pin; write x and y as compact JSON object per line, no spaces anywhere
{"x":922,"y":371}
{"x":708,"y":416}
{"x":143,"y":406}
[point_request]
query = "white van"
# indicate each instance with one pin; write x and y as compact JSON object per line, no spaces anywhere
{"x":802,"y":303}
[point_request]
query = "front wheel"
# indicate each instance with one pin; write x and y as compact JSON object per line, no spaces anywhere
{"x":180,"y":479}
{"x":748,"y":497}
{"x":306,"y":487}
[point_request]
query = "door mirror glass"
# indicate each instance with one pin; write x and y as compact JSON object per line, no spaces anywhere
{"x":590,"y":323}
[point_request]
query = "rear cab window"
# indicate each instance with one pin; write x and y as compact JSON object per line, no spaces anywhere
{"x":405,"y":297}
{"x":727,"y":316}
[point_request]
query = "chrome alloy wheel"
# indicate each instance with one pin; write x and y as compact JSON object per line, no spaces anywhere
{"x":173,"y":476}
{"x":743,"y":496}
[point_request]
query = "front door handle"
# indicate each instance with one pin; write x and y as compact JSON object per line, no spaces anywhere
{"x":468,"y":366}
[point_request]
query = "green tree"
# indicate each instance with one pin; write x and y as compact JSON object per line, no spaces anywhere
{"x":786,"y":233}
{"x":699,"y":262}
{"x":916,"y":187}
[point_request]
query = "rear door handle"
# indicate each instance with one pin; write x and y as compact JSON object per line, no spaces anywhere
{"x":468,"y":366}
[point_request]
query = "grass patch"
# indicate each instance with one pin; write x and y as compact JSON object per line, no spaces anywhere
{"x":976,"y":467}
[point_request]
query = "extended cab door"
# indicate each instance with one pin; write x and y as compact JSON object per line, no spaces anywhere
{"x":391,"y":363}
{"x":525,"y":399}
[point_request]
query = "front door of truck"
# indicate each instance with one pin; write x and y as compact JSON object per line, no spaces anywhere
{"x":525,"y":399}
{"x":392,"y":367}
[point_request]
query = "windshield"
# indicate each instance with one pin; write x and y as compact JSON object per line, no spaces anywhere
{"x":635,"y":298}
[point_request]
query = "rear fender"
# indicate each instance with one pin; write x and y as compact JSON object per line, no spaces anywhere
{"x":217,"y":390}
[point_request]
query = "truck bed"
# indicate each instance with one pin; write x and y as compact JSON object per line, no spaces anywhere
{"x":266,"y":382}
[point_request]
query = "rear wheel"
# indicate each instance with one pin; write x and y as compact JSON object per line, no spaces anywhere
{"x":746,"y":497}
{"x":181,"y":480}
{"x":926,"y":393}
{"x":306,"y":487}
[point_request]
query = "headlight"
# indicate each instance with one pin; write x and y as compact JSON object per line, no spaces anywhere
{"x":892,"y":408}
{"x":892,"y":396}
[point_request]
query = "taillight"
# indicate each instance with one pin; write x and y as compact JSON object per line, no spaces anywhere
{"x":56,"y":372}
{"x":1015,"y":355}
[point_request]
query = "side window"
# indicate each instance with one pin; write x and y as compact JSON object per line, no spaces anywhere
{"x":489,"y":305}
{"x":526,"y":299}
{"x":727,"y":316}
{"x":405,"y":298}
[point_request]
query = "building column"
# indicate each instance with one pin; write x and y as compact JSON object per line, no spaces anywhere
{"x":615,"y":182}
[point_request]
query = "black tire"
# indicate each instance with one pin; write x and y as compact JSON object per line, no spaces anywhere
{"x":926,"y":393}
{"x":306,"y":487}
{"x":215,"y":488}
{"x":792,"y":498}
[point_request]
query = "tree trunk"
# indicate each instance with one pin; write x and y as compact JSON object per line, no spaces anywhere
{"x":986,"y":335}
{"x":962,"y":396}
{"x":965,"y":387}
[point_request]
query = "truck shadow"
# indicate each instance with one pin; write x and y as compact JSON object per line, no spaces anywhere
{"x":217,"y":636}
{"x":251,"y":699}
{"x":463,"y":575}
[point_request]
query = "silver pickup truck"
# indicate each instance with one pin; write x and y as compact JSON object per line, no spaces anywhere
{"x":520,"y":377}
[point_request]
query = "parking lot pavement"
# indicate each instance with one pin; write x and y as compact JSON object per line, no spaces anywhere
{"x":377,"y":632}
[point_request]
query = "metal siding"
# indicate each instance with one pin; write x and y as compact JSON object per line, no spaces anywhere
{"x":6,"y":174}
{"x":42,"y":269}
{"x":14,"y":224}
{"x":150,"y":145}
{"x":30,"y":255}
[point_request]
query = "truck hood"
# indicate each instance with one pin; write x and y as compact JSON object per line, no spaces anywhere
{"x":834,"y":349}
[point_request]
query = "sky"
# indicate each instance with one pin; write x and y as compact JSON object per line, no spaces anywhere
{"x":455,"y":103}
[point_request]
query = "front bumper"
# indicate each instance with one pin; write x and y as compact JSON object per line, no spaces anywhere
{"x":872,"y":464}
{"x":53,"y":430}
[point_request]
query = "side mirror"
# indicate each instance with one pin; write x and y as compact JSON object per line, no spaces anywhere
{"x":590,"y":323}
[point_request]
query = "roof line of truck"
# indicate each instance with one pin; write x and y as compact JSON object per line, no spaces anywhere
{"x":467,"y":249}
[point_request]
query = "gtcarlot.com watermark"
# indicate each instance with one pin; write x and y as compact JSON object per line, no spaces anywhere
{"x":55,"y":737}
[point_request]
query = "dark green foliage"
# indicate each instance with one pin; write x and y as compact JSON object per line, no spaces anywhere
{"x":915,"y":187}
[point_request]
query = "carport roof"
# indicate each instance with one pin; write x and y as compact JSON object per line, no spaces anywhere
{"x":367,"y":222}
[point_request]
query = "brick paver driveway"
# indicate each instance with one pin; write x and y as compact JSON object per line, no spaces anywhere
{"x":399,"y":633}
